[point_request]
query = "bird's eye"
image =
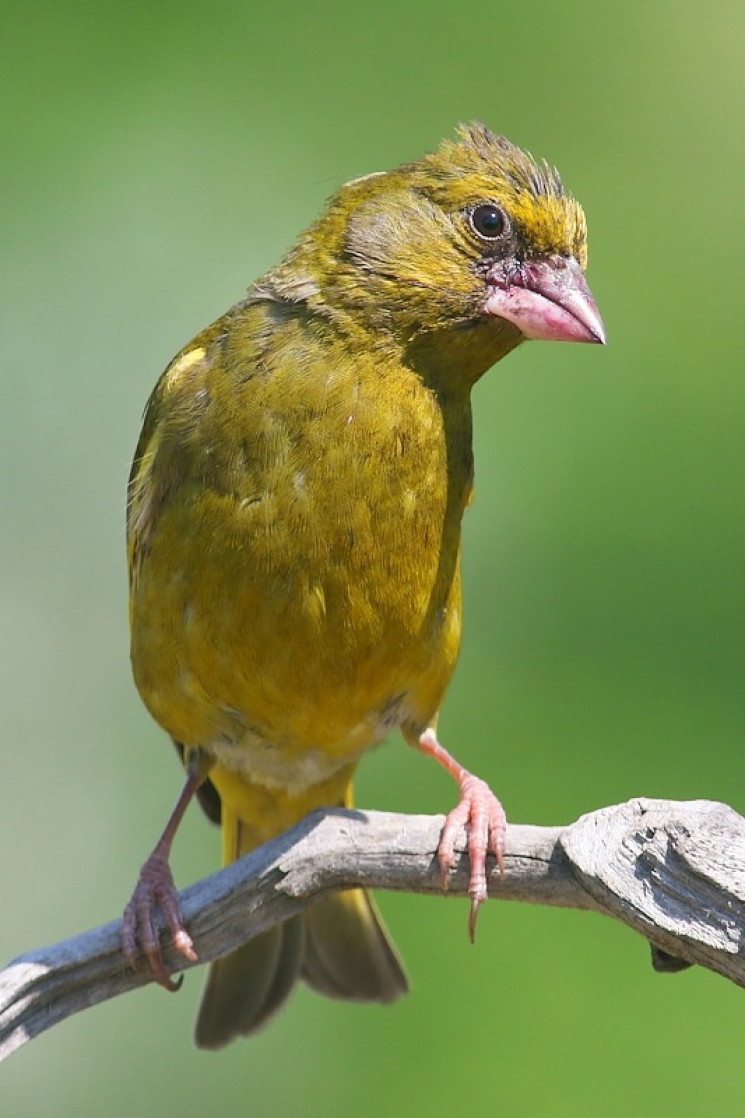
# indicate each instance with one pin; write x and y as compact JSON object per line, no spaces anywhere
{"x":488,"y":221}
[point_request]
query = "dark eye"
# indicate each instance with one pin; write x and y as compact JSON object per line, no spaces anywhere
{"x":488,"y":221}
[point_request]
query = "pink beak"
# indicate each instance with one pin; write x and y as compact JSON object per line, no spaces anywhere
{"x":547,"y":298}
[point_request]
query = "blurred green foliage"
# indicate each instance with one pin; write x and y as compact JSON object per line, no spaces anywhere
{"x":157,"y":157}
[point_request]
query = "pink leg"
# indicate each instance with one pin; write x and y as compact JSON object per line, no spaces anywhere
{"x":478,"y":809}
{"x":155,"y":890}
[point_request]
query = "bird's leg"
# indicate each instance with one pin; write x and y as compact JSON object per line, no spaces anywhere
{"x":478,"y":809}
{"x":155,"y":890}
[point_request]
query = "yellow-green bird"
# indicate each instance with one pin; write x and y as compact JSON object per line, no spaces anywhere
{"x":294,"y":525}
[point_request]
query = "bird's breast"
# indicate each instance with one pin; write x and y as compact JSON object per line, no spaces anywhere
{"x":317,"y":600}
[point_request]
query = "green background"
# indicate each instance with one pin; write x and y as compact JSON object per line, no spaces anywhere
{"x":156,"y":158}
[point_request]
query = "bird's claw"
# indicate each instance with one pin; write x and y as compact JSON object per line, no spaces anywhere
{"x":155,"y":890}
{"x":480,"y":811}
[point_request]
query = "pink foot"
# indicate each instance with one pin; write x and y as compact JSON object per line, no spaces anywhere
{"x":154,"y":890}
{"x":480,"y":811}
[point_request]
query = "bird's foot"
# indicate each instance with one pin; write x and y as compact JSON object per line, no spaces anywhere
{"x":479,"y":810}
{"x":154,"y":890}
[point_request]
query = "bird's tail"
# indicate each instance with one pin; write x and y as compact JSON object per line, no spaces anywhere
{"x":338,"y":945}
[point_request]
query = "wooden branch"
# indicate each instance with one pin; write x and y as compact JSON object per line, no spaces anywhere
{"x":675,"y":872}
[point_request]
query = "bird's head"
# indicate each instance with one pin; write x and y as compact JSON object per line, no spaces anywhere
{"x":477,"y":234}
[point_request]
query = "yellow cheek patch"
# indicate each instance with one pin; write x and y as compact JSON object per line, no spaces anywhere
{"x":182,"y":365}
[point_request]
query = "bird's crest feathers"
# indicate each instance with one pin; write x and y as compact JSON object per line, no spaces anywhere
{"x":524,"y":171}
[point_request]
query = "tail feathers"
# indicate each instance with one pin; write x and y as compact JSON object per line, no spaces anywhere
{"x":245,"y":988}
{"x":348,"y":953}
{"x":338,"y":945}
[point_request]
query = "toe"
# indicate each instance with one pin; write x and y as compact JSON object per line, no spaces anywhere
{"x":455,"y":820}
{"x":139,"y":936}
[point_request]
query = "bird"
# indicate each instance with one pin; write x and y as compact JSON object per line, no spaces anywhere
{"x":294,"y":535}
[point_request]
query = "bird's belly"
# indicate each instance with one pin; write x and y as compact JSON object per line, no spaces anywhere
{"x":288,"y":678}
{"x":289,"y":769}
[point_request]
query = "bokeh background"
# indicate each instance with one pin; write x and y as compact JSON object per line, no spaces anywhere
{"x":156,"y":158}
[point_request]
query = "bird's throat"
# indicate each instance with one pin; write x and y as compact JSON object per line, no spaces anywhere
{"x":458,"y":356}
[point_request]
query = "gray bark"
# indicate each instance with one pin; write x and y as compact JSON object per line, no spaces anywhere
{"x":674,"y":872}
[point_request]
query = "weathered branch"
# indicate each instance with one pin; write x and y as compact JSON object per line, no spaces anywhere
{"x":675,"y":872}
